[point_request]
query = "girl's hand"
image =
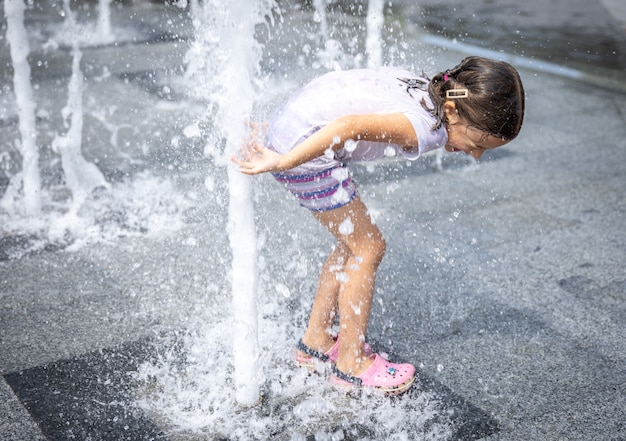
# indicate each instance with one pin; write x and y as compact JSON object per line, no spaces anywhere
{"x":255,"y":157}
{"x":258,"y":159}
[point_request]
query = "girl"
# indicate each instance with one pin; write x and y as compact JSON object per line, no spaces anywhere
{"x":362,"y":115}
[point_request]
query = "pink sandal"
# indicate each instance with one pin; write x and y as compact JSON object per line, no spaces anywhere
{"x":312,"y":356}
{"x":382,"y":376}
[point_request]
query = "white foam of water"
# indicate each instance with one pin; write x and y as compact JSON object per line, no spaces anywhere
{"x":144,"y":205}
{"x":189,"y":394}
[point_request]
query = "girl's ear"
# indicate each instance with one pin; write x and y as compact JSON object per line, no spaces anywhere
{"x":452,"y":114}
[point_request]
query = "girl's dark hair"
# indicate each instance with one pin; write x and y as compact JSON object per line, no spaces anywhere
{"x":495,"y":101}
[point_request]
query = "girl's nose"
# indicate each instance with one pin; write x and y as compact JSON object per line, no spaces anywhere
{"x":477,"y":153}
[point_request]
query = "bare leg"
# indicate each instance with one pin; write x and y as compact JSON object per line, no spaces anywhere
{"x":324,"y":310}
{"x":361,"y":249}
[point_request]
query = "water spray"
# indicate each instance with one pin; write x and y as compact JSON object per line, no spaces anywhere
{"x":375,"y":21}
{"x":104,"y":30}
{"x":81,"y":176}
{"x":29,"y":177}
{"x":224,"y":60}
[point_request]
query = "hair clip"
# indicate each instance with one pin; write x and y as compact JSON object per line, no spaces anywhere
{"x":456,"y":93}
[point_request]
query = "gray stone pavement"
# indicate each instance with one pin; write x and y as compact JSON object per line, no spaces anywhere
{"x":503,"y":283}
{"x":579,"y":33}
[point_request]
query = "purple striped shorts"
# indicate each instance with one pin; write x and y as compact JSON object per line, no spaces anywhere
{"x":320,"y":190}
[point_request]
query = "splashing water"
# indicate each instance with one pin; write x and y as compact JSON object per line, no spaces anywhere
{"x":29,"y":179}
{"x":225,"y":37}
{"x":375,"y":20}
{"x":104,"y":29}
{"x":320,"y":16}
{"x":189,"y":392}
{"x":346,"y":227}
{"x":81,"y":177}
{"x":187,"y":398}
{"x":98,"y":32}
{"x":84,"y":208}
{"x":331,"y":56}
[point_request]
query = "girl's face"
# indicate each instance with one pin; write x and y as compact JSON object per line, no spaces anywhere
{"x":470,"y":140}
{"x":465,"y":138}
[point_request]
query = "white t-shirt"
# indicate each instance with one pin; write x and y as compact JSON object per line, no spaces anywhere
{"x":354,"y":92}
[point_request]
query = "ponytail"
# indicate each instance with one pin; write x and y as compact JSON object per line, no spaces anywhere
{"x":494,"y":100}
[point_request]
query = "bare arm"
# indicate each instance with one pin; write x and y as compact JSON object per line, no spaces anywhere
{"x":394,"y":128}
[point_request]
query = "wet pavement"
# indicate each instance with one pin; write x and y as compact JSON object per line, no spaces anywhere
{"x":577,"y":33}
{"x":503,"y":282}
